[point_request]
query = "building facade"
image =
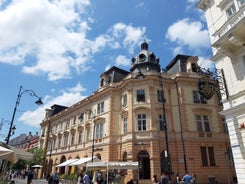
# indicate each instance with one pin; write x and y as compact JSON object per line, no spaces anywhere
{"x":226,"y":25}
{"x":149,"y":115}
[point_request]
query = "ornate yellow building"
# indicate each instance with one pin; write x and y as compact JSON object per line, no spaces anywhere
{"x":154,"y":116}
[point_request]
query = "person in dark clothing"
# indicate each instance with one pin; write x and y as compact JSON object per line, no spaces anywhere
{"x":164,"y":178}
{"x":29,"y":177}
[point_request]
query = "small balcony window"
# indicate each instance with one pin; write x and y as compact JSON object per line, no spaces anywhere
{"x":140,"y":95}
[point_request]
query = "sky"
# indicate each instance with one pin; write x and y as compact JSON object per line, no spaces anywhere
{"x":59,"y":48}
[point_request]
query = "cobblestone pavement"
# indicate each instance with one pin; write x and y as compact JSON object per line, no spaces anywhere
{"x":41,"y":181}
{"x":34,"y":181}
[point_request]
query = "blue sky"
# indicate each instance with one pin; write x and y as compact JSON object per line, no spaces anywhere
{"x":59,"y":48}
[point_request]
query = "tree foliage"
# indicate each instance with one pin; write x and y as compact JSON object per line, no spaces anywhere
{"x":38,"y":157}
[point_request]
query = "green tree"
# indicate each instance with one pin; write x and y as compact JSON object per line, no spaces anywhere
{"x":38,"y":156}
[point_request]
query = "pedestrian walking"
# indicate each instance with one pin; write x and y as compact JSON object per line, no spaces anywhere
{"x":29,"y":177}
{"x":86,"y":179}
{"x":187,"y":178}
{"x":164,"y":178}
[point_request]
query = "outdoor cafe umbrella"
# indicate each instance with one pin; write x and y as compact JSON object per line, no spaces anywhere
{"x":8,"y":154}
{"x":37,"y":166}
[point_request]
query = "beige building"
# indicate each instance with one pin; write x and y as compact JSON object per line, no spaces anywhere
{"x":153,"y":116}
{"x":226,"y":25}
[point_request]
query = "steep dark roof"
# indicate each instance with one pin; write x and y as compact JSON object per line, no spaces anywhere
{"x":181,"y":57}
{"x":57,"y":108}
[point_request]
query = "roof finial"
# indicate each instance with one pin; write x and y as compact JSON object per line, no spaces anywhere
{"x":144,"y":45}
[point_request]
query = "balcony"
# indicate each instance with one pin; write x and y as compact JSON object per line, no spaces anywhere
{"x":230,"y":36}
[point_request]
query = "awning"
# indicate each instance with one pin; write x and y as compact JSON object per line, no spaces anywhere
{"x":20,"y":154}
{"x":67,"y":162}
{"x":7,"y":154}
{"x":113,"y":165}
{"x":85,"y":160}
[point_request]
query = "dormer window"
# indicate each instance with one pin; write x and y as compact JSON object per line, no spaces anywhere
{"x":142,"y":57}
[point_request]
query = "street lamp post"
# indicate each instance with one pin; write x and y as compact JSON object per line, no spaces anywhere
{"x":93,"y":142}
{"x":21,"y":92}
{"x":90,"y":113}
{"x":165,"y":126}
{"x":50,"y":154}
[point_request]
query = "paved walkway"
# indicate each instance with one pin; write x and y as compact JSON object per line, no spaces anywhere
{"x":34,"y":181}
{"x":39,"y":181}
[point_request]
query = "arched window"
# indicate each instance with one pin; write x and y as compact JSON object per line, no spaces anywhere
{"x":144,"y":165}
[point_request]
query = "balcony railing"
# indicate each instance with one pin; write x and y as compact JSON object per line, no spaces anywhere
{"x":233,"y":21}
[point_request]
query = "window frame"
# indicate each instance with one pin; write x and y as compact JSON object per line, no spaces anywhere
{"x":140,"y":95}
{"x":202,"y":123}
{"x":141,"y":122}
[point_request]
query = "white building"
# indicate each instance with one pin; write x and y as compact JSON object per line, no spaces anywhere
{"x":226,"y":25}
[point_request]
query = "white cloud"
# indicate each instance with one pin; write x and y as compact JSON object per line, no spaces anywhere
{"x":206,"y":63}
{"x":67,"y":98}
{"x":122,"y":61}
{"x":130,"y":35}
{"x":54,"y":35}
{"x":187,"y":33}
{"x":47,"y":31}
{"x":192,"y":1}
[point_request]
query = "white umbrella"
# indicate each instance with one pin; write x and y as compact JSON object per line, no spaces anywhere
{"x":7,"y":154}
{"x":37,"y":166}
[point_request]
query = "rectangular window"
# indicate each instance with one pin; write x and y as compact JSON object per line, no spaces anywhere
{"x":195,"y":95}
{"x":67,"y":124}
{"x":125,"y":125}
{"x":230,"y":10}
{"x":72,"y":139}
{"x":207,"y":157}
{"x":224,"y":124}
{"x":204,"y":156}
{"x":100,"y":107}
{"x":140,"y":95}
{"x":88,"y":134}
{"x":81,"y":117}
{"x":90,"y":114}
{"x":80,"y":137}
{"x":162,"y":122}
{"x":61,"y":126}
{"x":99,"y":130}
{"x":59,"y":142}
{"x":74,"y":121}
{"x":65,"y":140}
{"x":206,"y":123}
{"x":199,"y":123}
{"x":197,"y":98}
{"x":141,"y":122}
{"x":211,"y":156}
{"x":54,"y":144}
{"x":160,"y":96}
{"x":202,"y":123}
{"x":124,"y":100}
